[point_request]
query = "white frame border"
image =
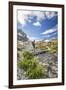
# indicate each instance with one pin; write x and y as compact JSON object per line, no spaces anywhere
{"x":40,"y":81}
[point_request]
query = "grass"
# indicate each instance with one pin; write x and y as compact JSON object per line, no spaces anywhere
{"x":31,"y":66}
{"x":50,"y":47}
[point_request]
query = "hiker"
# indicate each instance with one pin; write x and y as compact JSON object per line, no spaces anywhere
{"x":33,"y":44}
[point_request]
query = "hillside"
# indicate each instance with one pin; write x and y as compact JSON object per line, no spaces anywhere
{"x":21,"y":36}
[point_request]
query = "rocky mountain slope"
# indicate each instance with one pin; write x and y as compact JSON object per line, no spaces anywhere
{"x":21,"y":36}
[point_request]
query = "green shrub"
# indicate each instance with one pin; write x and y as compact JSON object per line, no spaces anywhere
{"x":36,"y":72}
{"x":27,"y":55}
{"x":31,"y":66}
{"x":27,"y":63}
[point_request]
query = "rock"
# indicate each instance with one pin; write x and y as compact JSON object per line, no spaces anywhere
{"x":21,"y":74}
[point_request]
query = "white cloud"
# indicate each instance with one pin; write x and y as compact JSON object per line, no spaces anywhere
{"x":31,"y":38}
{"x":24,"y":15}
{"x":49,"y":31}
{"x":46,"y":36}
{"x":55,"y":33}
{"x":47,"y":40}
{"x":49,"y":14}
{"x":29,"y":21}
{"x":21,"y":17}
{"x":40,"y":15}
{"x":37,"y":24}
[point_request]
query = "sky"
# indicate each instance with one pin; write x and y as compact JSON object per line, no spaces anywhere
{"x":38,"y":25}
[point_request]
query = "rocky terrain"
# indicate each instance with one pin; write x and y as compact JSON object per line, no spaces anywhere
{"x":47,"y":59}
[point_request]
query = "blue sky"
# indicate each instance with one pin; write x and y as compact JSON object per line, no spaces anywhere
{"x":38,"y":25}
